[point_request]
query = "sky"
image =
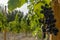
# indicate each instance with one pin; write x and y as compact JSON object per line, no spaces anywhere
{"x":3,"y":1}
{"x":23,"y":8}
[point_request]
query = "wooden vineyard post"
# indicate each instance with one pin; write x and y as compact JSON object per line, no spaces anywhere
{"x":56,"y":9}
{"x":5,"y":34}
{"x":5,"y":31}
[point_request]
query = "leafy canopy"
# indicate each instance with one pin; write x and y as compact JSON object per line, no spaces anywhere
{"x":12,"y":4}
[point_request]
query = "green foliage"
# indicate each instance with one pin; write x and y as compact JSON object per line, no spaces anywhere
{"x":3,"y":22}
{"x":35,"y":15}
{"x":47,"y":1}
{"x":16,"y":22}
{"x":37,"y":8}
{"x":12,"y":4}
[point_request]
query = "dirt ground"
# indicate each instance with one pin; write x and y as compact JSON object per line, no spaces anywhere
{"x":17,"y":37}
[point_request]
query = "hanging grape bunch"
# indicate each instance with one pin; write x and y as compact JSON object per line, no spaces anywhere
{"x":43,"y":27}
{"x":49,"y":19}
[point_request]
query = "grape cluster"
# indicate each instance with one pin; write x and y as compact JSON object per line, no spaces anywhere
{"x":48,"y":20}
